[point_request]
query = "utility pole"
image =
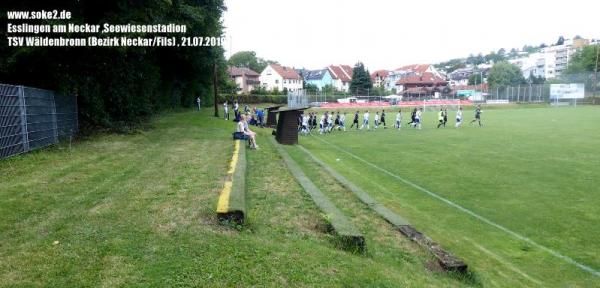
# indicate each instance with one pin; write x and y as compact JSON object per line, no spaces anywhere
{"x":215,"y":89}
{"x":596,"y":70}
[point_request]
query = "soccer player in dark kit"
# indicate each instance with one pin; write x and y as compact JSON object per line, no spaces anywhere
{"x":441,"y":118}
{"x":355,"y":121}
{"x":383,"y":119}
{"x":413,"y":115}
{"x":477,"y":116}
{"x":445,"y":115}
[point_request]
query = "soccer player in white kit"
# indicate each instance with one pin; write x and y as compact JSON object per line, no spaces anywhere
{"x":330,"y":122}
{"x":343,"y":121}
{"x":365,"y":121}
{"x":458,"y":117}
{"x":399,"y":119}
{"x":418,"y":118}
{"x":321,"y":123}
{"x":305,"y":124}
{"x":376,"y":120}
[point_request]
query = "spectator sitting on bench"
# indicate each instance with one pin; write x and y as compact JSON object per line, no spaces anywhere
{"x":243,"y":127}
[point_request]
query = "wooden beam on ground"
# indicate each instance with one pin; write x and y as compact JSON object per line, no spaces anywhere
{"x":446,"y":260}
{"x":349,"y":236}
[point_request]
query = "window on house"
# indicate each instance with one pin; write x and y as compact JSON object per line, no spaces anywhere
{"x":276,"y":81}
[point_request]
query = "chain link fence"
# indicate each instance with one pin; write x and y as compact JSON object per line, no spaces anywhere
{"x":33,"y":118}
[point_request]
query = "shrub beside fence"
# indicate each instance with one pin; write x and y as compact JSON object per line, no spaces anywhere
{"x":33,"y":118}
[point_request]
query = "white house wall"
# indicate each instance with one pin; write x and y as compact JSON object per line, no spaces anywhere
{"x":292,"y":84}
{"x":269,"y":79}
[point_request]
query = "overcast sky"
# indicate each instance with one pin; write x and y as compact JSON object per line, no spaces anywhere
{"x":386,"y":34}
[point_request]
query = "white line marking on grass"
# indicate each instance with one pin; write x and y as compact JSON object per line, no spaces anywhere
{"x":506,"y":263}
{"x":467,"y":211}
{"x":497,"y":257}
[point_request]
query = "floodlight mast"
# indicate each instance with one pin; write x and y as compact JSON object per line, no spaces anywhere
{"x":596,"y":69}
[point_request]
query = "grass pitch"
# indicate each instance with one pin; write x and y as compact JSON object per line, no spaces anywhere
{"x":482,"y":192}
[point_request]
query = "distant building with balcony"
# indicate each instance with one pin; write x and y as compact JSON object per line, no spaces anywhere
{"x":245,"y":78}
{"x":563,"y":53}
{"x":551,"y":61}
{"x":537,"y":65}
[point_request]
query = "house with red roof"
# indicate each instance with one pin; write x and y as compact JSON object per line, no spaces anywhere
{"x":281,"y":78}
{"x":426,"y":79}
{"x":342,"y":76}
{"x":416,"y":76}
{"x":245,"y":78}
{"x":380,"y":78}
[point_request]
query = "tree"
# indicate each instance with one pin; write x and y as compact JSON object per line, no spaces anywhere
{"x":228,"y":86}
{"x":451,"y":65}
{"x":331,"y":90}
{"x":561,"y":40}
{"x":249,"y":60}
{"x":476,"y":60}
{"x":244,"y":59}
{"x":543,"y":45}
{"x":475,"y":79}
{"x":361,"y":83}
{"x":530,"y":49}
{"x":310,"y":88}
{"x":380,"y":91}
{"x":493,"y":57}
{"x":480,"y":59}
{"x":505,"y":74}
{"x":584,"y":60}
{"x":121,"y":85}
{"x":501,"y":52}
{"x":535,"y":79}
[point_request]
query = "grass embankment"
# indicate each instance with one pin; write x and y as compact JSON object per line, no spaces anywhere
{"x":139,"y":210}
